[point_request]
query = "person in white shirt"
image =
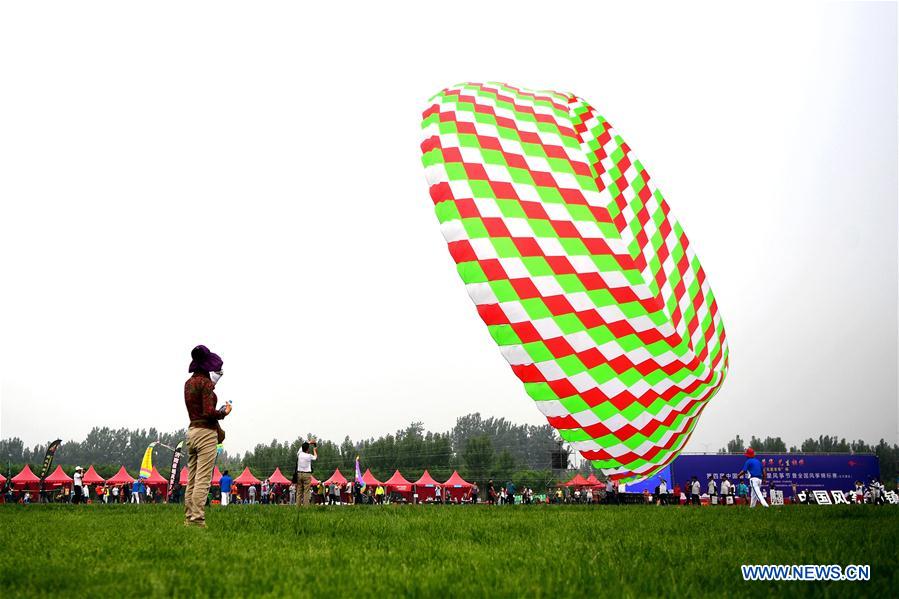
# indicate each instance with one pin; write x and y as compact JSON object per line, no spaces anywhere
{"x":695,"y":490}
{"x":859,"y":492}
{"x":78,"y":485}
{"x":726,"y":487}
{"x":713,"y":488}
{"x":877,"y":492}
{"x":304,"y":471}
{"x":437,"y":494}
{"x":662,"y":494}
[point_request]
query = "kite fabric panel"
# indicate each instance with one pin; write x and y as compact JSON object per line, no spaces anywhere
{"x":146,"y":464}
{"x":584,"y":278}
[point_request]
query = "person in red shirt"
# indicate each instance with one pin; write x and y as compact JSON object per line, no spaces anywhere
{"x":204,"y":432}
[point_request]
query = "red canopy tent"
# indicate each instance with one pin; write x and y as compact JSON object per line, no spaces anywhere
{"x":246,"y":478}
{"x":398,"y":484}
{"x":337,"y":477}
{"x":576,"y":481}
{"x":369,"y":479}
{"x":26,"y":479}
{"x":216,"y":476}
{"x":120,"y":478}
{"x":155,"y":479}
{"x":277,"y":478}
{"x":91,"y":477}
{"x":426,"y":486}
{"x":457,"y":487}
{"x":592,"y":481}
{"x":2,"y":479}
{"x":57,"y":478}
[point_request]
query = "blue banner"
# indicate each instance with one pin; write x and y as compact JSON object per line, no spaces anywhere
{"x":834,"y":472}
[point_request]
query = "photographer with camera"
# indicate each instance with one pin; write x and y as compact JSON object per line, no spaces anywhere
{"x":303,"y":476}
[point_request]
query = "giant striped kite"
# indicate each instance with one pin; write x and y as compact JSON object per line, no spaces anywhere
{"x":580,"y":271}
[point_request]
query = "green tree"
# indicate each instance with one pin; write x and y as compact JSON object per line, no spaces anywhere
{"x":478,"y":457}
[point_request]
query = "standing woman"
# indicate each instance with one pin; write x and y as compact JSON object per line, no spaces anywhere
{"x":204,"y":433}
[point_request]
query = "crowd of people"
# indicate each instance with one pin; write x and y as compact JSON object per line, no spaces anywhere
{"x":136,"y":492}
{"x":693,"y":492}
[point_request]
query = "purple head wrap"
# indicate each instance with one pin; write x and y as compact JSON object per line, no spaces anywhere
{"x":203,"y":359}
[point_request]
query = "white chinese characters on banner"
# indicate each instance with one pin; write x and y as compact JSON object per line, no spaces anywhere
{"x":838,"y":497}
{"x":821,"y":497}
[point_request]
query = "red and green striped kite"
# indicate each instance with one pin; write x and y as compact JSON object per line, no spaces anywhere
{"x":577,"y":266}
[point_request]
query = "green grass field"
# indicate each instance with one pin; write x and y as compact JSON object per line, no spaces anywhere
{"x":559,"y":551}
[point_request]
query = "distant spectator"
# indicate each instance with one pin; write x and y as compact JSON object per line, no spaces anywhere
{"x":726,"y":487}
{"x":510,"y":492}
{"x":662,"y":492}
{"x":742,"y":488}
{"x":756,"y":471}
{"x":612,"y":492}
{"x":303,"y":476}
{"x":78,"y":485}
{"x":712,"y":488}
{"x":225,"y":483}
{"x":491,"y":492}
{"x":251,"y":494}
{"x":265,"y":491}
{"x":135,"y":491}
{"x":877,"y":492}
{"x":474,"y":492}
{"x":695,"y":490}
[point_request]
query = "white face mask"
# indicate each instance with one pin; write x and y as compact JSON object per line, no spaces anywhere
{"x":215,"y":376}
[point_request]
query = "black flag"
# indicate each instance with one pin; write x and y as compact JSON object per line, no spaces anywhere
{"x":176,"y":461}
{"x":48,"y":459}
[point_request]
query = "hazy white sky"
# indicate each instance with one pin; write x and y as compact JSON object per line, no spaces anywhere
{"x":249,"y":177}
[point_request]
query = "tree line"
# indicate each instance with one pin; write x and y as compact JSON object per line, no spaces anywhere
{"x":479,"y":448}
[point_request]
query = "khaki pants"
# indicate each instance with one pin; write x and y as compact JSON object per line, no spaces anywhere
{"x":201,"y":449}
{"x":304,"y":487}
